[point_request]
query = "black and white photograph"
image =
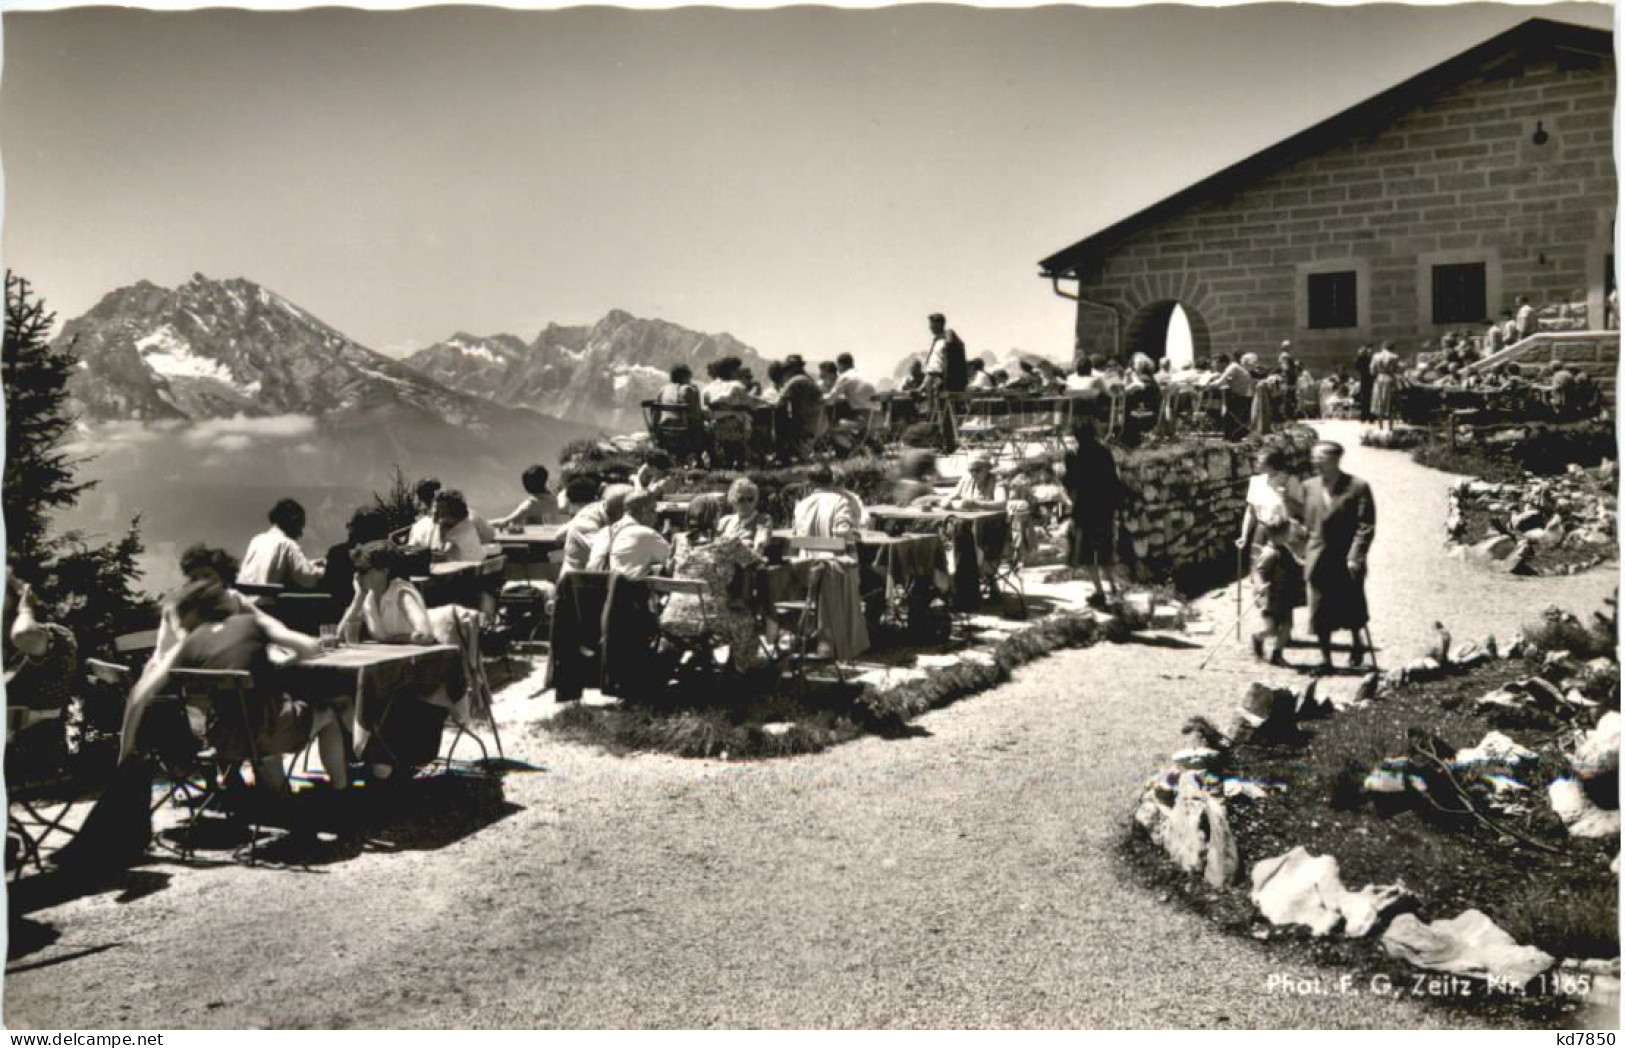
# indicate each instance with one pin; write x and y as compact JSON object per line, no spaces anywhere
{"x":811,"y":518}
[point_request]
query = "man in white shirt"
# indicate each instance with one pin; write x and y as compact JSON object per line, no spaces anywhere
{"x":828,"y":512}
{"x":585,"y":526}
{"x":851,"y":388}
{"x":274,"y":557}
{"x":631,"y":546}
{"x":1527,"y":323}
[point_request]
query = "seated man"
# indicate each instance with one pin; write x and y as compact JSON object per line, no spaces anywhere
{"x":829,"y":511}
{"x":274,"y":557}
{"x":801,"y":406}
{"x":540,"y":506}
{"x":584,"y":527}
{"x":631,"y":546}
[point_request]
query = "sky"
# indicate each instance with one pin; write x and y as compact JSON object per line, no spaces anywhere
{"x":810,"y":180}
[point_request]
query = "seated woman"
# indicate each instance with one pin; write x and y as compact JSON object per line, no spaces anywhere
{"x":747,"y":522}
{"x":200,"y":563}
{"x":721,"y":564}
{"x":218,"y":638}
{"x":979,"y":488}
{"x":387,"y":607}
{"x":540,"y":506}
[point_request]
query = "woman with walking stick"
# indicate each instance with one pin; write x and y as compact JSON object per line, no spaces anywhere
{"x":1272,"y":538}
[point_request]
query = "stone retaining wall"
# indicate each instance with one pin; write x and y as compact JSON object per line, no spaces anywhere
{"x":1185,"y":502}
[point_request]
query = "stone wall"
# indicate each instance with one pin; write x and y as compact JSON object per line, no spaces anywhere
{"x":1456,"y":179}
{"x":1185,"y":503}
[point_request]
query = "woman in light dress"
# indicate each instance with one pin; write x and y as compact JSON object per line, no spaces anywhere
{"x":1273,"y":537}
{"x":1385,"y":386}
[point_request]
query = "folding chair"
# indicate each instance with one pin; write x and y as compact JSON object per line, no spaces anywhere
{"x":1005,"y":569}
{"x":678,"y":429}
{"x":522,"y":604}
{"x":25,"y":798}
{"x":206,"y":693}
{"x":803,"y":614}
{"x":697,"y":662}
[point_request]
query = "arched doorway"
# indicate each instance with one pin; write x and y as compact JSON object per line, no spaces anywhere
{"x":1167,"y":328}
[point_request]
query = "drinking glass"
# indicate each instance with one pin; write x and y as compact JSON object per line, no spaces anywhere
{"x":329,"y":636}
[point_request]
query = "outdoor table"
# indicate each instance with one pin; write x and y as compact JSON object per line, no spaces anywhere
{"x":533,"y":537}
{"x":892,"y":563}
{"x":374,"y":677}
{"x":980,"y":533}
{"x":452,"y":581}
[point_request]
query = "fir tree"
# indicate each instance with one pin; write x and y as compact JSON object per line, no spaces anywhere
{"x":90,"y":589}
{"x":39,"y":472}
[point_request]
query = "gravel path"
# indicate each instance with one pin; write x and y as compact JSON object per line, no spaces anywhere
{"x":962,"y":877}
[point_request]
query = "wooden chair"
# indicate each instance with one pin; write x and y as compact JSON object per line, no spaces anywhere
{"x":802,"y":615}
{"x":219,"y":693}
{"x":678,"y":429}
{"x":29,"y":799}
{"x":697,"y":661}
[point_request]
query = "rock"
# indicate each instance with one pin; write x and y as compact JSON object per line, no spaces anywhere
{"x":1393,"y":775}
{"x":1302,"y":889}
{"x":1309,"y":705}
{"x":1490,"y":647}
{"x":1541,"y":692}
{"x":1516,"y":648}
{"x":1363,"y":909}
{"x":1526,"y":520}
{"x":1369,"y":685}
{"x":1198,"y":836}
{"x":1424,"y":669}
{"x":1167,"y":617}
{"x":1598,"y":750}
{"x":1244,"y":789}
{"x":1494,"y":548}
{"x":1297,"y":888}
{"x":1502,"y":698}
{"x":1268,"y":715}
{"x":1196,"y":758}
{"x":1469,"y":944}
{"x":1468,"y":655}
{"x":1495,"y":748}
{"x":1582,"y":817}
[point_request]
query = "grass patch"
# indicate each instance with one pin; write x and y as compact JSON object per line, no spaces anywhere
{"x":826,"y":717}
{"x":1503,"y":457}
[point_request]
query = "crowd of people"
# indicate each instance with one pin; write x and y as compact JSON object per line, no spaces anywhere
{"x":1302,"y":543}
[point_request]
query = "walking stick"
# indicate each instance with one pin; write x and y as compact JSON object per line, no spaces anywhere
{"x":1240,"y":614}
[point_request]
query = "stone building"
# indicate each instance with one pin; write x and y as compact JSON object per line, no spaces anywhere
{"x":1422,"y":210}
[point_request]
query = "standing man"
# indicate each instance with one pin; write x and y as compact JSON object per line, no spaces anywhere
{"x":1494,"y":339}
{"x":945,"y":373}
{"x":1287,"y":364}
{"x":1238,"y":385}
{"x":1527,"y":322}
{"x":1341,"y":518}
{"x":1363,"y":372}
